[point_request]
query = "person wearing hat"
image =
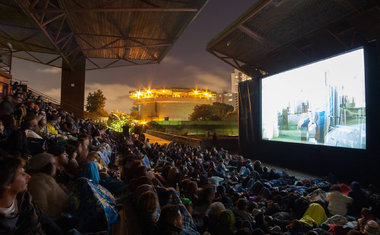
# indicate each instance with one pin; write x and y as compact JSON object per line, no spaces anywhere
{"x":46,"y":192}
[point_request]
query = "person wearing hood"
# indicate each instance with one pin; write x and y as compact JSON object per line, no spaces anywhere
{"x":314,"y":216}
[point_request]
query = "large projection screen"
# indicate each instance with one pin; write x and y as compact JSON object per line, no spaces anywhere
{"x":322,"y":103}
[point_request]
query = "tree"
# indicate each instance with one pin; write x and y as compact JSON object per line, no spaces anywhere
{"x":96,"y":102}
{"x":215,"y":112}
{"x":201,"y":113}
{"x":117,"y":120}
{"x":221,"y":109}
{"x":134,"y":114}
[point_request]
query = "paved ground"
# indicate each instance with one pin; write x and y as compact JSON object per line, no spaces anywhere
{"x":154,"y":139}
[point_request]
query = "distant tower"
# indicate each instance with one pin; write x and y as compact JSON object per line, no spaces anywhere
{"x":237,"y":77}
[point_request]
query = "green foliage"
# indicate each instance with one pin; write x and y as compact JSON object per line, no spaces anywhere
{"x":134,"y":113}
{"x":117,"y":120}
{"x":231,"y":116}
{"x":201,"y":113}
{"x":96,"y":102}
{"x":215,"y":112}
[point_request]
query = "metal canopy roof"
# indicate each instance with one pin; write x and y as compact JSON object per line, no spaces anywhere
{"x":107,"y":33}
{"x":275,"y":35}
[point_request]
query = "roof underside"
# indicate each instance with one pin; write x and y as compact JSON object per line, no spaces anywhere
{"x":104,"y":33}
{"x":275,"y":35}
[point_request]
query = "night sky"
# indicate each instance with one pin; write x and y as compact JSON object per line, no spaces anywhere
{"x":187,"y":64}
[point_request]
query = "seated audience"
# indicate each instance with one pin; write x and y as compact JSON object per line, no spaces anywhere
{"x":123,"y":183}
{"x":18,"y":215}
{"x":338,"y":202}
{"x":46,"y":192}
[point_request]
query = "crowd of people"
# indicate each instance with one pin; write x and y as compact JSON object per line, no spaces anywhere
{"x":64,"y":175}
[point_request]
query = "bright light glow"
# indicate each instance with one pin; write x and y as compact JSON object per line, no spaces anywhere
{"x":167,"y":93}
{"x":321,"y":103}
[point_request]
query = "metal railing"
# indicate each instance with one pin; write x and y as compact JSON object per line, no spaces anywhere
{"x":57,"y":102}
{"x":44,"y":97}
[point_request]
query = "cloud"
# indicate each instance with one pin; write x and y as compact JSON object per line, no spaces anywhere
{"x":117,"y":95}
{"x":170,"y":60}
{"x":51,"y":70}
{"x":207,"y":80}
{"x":54,"y":93}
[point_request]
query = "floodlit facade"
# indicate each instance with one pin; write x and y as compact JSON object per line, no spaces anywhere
{"x":172,"y":104}
{"x":225,"y":98}
{"x":237,"y":77}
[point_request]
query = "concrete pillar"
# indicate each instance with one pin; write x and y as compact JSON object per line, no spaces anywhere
{"x":72,"y":89}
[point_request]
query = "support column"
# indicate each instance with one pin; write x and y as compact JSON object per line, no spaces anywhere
{"x":72,"y":89}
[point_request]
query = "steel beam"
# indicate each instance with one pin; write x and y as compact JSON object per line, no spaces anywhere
{"x":134,"y":46}
{"x":113,"y":62}
{"x":25,"y":5}
{"x":53,"y":19}
{"x":91,"y":10}
{"x":260,"y":5}
{"x":337,"y":38}
{"x":224,"y":58}
{"x":251,"y":34}
{"x":92,"y":62}
{"x":144,"y":46}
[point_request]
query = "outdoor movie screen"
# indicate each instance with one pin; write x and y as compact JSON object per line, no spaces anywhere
{"x":322,"y":103}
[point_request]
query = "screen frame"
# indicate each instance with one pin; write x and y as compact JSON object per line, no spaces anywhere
{"x":365,"y":48}
{"x":319,"y":160}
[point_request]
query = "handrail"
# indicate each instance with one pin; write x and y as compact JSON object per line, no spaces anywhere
{"x":46,"y":97}
{"x":53,"y":100}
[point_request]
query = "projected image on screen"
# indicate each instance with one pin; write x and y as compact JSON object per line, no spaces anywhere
{"x":321,"y":103}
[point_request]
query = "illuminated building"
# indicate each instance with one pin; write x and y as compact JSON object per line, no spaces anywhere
{"x":174,"y":104}
{"x":237,"y":77}
{"x":225,"y":98}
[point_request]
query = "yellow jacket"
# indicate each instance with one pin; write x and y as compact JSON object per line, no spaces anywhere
{"x":314,"y":216}
{"x":52,"y":129}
